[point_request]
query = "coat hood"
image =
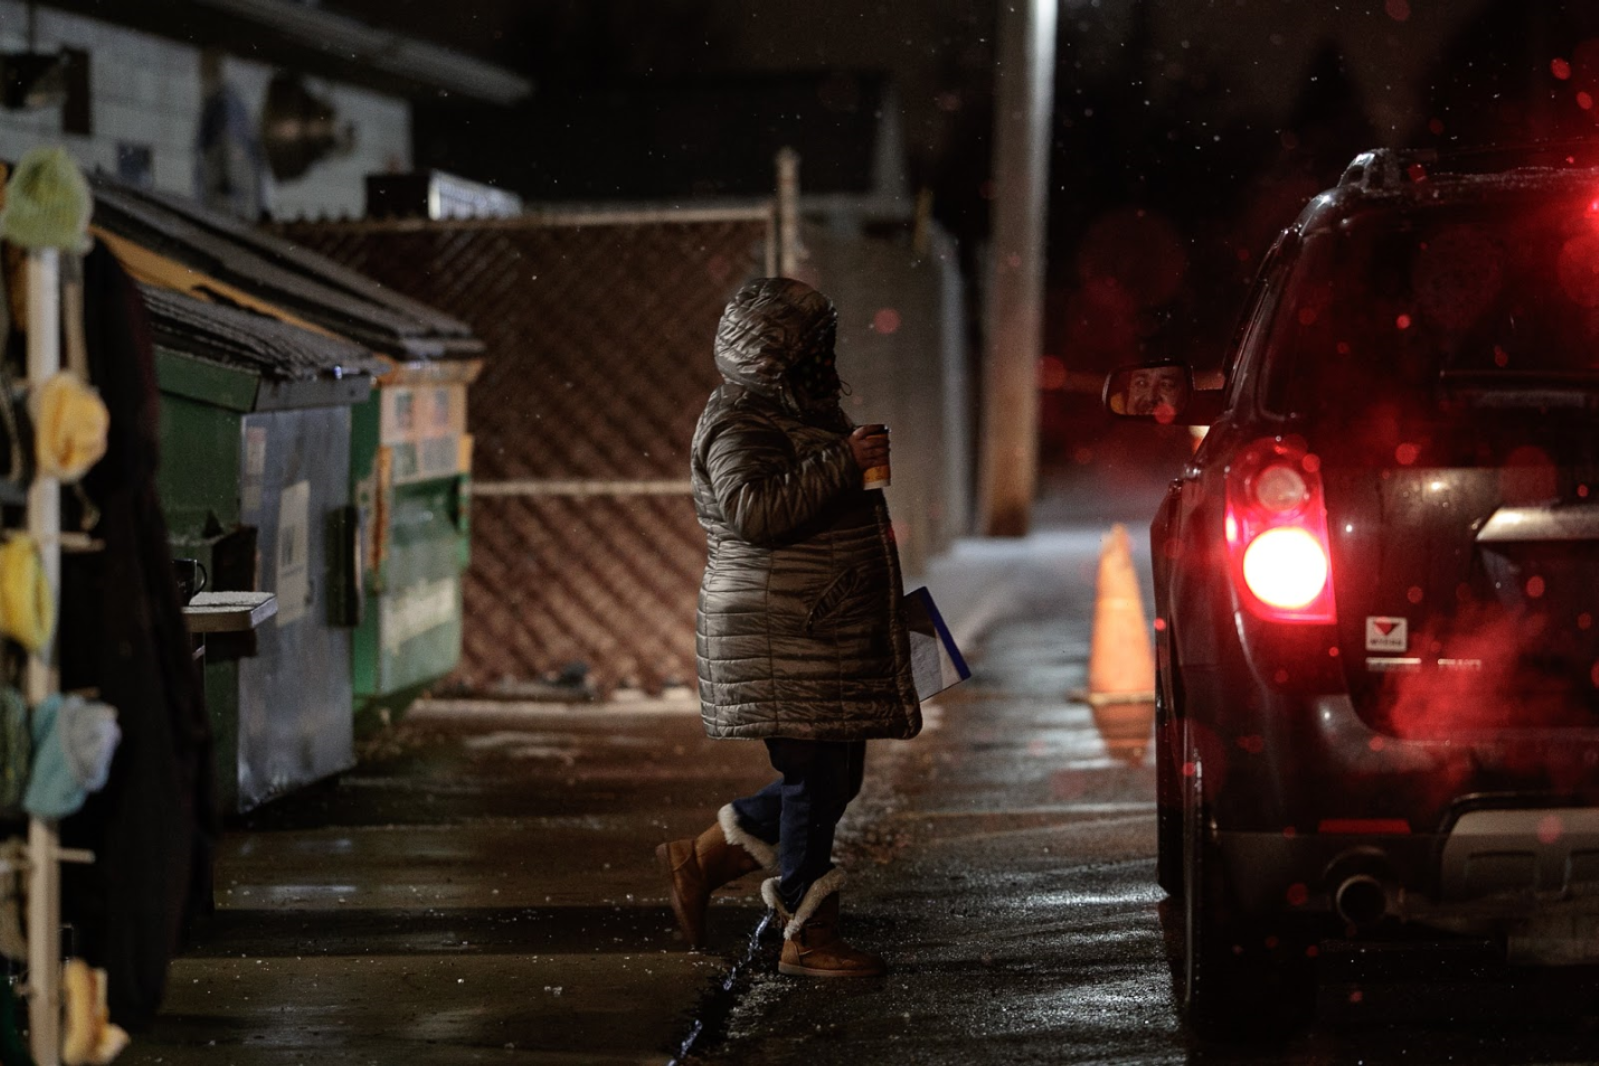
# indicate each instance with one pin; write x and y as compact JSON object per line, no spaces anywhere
{"x":769,"y":326}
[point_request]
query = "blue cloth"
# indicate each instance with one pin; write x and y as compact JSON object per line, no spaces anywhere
{"x":73,"y":742}
{"x":800,"y":811}
{"x":230,"y":164}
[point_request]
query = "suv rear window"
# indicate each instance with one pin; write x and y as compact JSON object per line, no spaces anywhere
{"x":1440,"y":317}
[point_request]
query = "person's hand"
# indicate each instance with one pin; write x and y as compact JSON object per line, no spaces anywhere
{"x":869,"y":445}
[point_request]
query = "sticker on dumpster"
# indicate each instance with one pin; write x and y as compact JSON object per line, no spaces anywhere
{"x":1386,"y":634}
{"x":255,"y":455}
{"x":293,"y":584}
{"x":419,"y":609}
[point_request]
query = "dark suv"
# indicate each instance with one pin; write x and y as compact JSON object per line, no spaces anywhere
{"x":1377,"y":584}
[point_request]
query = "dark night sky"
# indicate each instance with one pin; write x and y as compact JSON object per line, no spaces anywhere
{"x":1179,"y":108}
{"x":1186,"y":133}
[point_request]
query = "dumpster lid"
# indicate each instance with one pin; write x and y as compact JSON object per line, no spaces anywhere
{"x":274,"y":269}
{"x":236,"y":337}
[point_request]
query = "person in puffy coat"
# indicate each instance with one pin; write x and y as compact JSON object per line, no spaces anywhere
{"x":801,"y":640}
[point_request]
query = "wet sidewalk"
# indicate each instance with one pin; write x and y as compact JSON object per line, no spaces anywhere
{"x":481,"y":888}
{"x":1002,"y":861}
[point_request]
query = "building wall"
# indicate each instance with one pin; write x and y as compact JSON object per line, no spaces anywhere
{"x":145,"y":90}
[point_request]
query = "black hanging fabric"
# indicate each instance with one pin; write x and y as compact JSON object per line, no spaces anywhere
{"x":154,"y":825}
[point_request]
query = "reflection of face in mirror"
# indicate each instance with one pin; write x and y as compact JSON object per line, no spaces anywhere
{"x":1157,"y":391}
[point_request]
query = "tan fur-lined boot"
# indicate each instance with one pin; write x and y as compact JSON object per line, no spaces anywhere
{"x":811,"y":944}
{"x":699,"y":866}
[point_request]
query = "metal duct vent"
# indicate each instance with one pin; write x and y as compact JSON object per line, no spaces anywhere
{"x":299,"y":129}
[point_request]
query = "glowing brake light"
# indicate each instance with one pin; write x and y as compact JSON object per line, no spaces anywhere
{"x":1276,"y":527}
{"x":1286,"y":568}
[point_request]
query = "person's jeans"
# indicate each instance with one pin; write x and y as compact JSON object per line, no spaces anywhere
{"x":799,"y":811}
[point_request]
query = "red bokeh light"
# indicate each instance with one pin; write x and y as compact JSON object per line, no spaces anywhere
{"x":1139,"y":252}
{"x":886,"y":320}
{"x":1578,"y":267}
{"x":1528,"y":475}
{"x":1051,"y":372}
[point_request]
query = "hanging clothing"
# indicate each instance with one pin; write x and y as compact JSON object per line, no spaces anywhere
{"x":153,"y":826}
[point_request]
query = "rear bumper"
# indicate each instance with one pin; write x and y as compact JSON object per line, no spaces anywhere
{"x":1281,"y":761}
{"x":1528,"y":877}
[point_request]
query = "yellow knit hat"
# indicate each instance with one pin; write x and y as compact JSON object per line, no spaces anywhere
{"x":70,"y":422}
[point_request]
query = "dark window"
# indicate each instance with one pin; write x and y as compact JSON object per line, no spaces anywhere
{"x":1441,"y":314}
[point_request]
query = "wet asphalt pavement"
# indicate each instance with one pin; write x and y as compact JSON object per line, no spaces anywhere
{"x":482,"y":889}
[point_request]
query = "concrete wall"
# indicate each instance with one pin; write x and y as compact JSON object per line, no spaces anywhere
{"x":901,"y":348}
{"x":145,"y":90}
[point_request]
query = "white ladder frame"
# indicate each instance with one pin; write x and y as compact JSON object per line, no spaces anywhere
{"x":44,"y":524}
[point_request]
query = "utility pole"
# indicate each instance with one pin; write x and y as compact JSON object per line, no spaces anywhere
{"x":1024,"y":82}
{"x":787,"y":212}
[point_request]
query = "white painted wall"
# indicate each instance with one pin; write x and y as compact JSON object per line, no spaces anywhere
{"x":146,"y":90}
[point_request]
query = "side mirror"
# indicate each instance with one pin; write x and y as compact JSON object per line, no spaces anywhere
{"x":1157,"y":391}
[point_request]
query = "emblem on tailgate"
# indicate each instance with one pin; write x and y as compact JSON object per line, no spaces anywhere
{"x":1386,"y":634}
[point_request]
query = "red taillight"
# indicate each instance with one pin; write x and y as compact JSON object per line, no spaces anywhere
{"x":1277,"y":533}
{"x":1286,"y":568}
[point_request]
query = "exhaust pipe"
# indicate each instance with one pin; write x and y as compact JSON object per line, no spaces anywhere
{"x":1361,"y":900}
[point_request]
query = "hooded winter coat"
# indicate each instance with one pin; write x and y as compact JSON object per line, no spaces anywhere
{"x":800,"y":628}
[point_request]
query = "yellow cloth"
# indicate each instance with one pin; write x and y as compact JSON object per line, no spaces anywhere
{"x":88,"y":1038}
{"x":69,"y":426}
{"x":27,"y":603}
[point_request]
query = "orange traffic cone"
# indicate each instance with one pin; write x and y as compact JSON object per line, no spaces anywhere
{"x":1121,"y":660}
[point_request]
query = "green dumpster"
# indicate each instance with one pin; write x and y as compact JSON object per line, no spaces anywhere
{"x":255,"y":483}
{"x":410,"y":463}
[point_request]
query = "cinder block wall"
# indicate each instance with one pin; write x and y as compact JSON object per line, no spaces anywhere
{"x":145,"y":90}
